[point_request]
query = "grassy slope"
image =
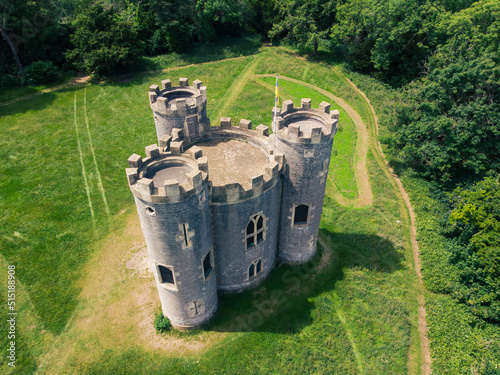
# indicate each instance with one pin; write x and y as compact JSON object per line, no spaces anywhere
{"x":458,"y":344}
{"x":354,"y":316}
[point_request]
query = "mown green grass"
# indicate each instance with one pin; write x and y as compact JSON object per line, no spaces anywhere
{"x":353,"y":316}
{"x":200,"y":53}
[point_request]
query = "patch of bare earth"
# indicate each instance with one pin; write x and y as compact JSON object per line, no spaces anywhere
{"x":80,"y":79}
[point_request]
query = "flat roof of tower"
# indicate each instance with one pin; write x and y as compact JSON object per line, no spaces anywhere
{"x":233,"y":161}
{"x":305,"y":123}
{"x":174,"y":95}
{"x":171,"y":171}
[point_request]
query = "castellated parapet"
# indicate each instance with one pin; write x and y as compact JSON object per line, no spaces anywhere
{"x":220,"y":205}
{"x":181,"y":107}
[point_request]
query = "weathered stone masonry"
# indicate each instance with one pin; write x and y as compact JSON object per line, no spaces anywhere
{"x":220,"y":205}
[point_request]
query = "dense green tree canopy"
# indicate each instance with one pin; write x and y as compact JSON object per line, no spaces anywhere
{"x":102,"y":42}
{"x":477,"y":256}
{"x":448,"y":125}
{"x":35,"y":30}
{"x":304,"y":22}
{"x":177,"y":21}
{"x":392,"y":37}
{"x":220,"y":18}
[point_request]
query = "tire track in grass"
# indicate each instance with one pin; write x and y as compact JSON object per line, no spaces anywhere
{"x":99,"y":180}
{"x":350,"y":336}
{"x":84,"y":173}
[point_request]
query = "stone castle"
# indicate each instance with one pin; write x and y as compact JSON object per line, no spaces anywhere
{"x":220,"y":205}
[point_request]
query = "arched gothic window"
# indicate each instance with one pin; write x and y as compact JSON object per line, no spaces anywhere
{"x":255,"y":230}
{"x":255,"y":268}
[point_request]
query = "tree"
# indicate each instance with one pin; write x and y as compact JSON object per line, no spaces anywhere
{"x":262,"y":16}
{"x":177,"y":20}
{"x":448,"y":124}
{"x":219,"y":18}
{"x":102,"y":42}
{"x":393,"y":38}
{"x":3,"y":24}
{"x":477,"y":254}
{"x":32,"y":31}
{"x":304,"y":23}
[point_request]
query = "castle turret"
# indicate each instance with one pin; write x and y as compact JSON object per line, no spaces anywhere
{"x":171,"y":196}
{"x":305,"y":136}
{"x":180,"y":107}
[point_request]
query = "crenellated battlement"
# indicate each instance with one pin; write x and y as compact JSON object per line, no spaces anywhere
{"x":166,"y":177}
{"x":304,"y":124}
{"x":235,"y":192}
{"x":175,"y":101}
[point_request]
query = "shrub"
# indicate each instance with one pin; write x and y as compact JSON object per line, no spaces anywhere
{"x":162,"y":324}
{"x":9,"y":80}
{"x":41,"y":72}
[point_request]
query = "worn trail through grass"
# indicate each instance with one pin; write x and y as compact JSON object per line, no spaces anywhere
{"x":235,"y":89}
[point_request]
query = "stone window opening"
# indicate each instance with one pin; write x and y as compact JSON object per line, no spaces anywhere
{"x":255,"y":268}
{"x":166,"y":274}
{"x":207,"y":265}
{"x":150,"y":211}
{"x":255,"y":231}
{"x":186,"y":239}
{"x":301,"y":215}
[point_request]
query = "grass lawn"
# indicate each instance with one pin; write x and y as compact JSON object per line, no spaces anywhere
{"x":86,"y":300}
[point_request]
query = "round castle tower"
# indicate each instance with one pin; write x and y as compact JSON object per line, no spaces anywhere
{"x":177,"y":108}
{"x":305,"y":136}
{"x":171,"y":196}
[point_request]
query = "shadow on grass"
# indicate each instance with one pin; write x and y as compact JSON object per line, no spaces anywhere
{"x":282,"y":304}
{"x":202,"y":52}
{"x":34,"y":103}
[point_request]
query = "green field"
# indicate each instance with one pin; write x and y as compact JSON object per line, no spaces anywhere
{"x":69,"y":225}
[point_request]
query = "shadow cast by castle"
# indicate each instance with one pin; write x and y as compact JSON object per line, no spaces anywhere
{"x":282,"y":303}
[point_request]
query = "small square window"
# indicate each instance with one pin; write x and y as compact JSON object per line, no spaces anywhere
{"x":166,"y":275}
{"x":255,"y":268}
{"x":301,"y":215}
